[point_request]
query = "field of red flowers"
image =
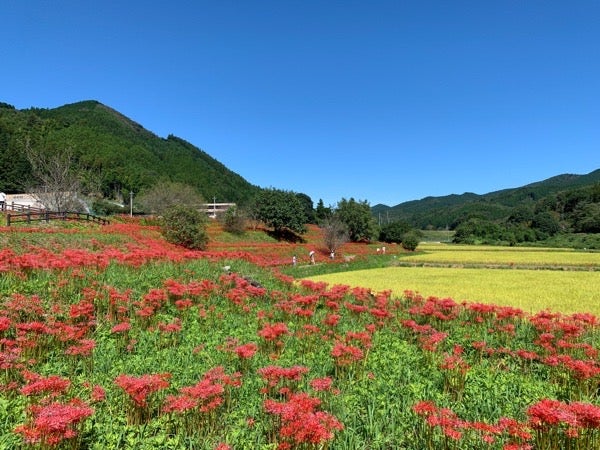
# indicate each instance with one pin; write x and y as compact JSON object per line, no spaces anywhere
{"x":110,"y":338}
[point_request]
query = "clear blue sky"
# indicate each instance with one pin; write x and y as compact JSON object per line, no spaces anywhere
{"x":384,"y":101}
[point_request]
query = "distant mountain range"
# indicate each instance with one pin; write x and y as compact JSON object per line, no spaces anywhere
{"x":447,"y":211}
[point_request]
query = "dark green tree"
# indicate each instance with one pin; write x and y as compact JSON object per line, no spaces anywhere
{"x":477,"y":231}
{"x":322,"y":212}
{"x":307,"y":204}
{"x":393,"y":231}
{"x":410,"y":240}
{"x":586,"y":218}
{"x":546,"y":224}
{"x":357,"y":217}
{"x":280,"y":210}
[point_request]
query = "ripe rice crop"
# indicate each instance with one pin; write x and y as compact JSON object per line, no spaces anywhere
{"x":531,"y":290}
{"x":506,"y":256}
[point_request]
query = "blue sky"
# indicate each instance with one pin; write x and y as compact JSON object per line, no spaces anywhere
{"x":384,"y":101}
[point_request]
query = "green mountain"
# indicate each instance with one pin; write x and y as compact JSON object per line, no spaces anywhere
{"x":450,"y":210}
{"x":115,"y":154}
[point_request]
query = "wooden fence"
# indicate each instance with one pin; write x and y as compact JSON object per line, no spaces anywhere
{"x":37,"y":215}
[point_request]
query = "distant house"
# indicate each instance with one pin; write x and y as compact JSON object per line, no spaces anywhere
{"x":23,"y":200}
{"x":212,"y":209}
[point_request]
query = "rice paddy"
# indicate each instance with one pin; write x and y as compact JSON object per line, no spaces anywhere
{"x":531,"y":279}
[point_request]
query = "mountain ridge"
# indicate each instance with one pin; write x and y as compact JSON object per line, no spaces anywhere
{"x":445,"y":211}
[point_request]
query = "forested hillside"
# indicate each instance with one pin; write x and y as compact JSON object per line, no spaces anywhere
{"x":114,"y":154}
{"x":564,"y":204}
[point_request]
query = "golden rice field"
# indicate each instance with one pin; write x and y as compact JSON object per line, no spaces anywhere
{"x":511,"y":256}
{"x":463,"y":274}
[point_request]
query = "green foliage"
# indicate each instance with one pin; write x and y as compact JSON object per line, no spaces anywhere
{"x":185,"y":226}
{"x":234,"y":221}
{"x":116,"y":155}
{"x":357,"y":217}
{"x":512,"y":210}
{"x":322,"y":212}
{"x":393,"y":231}
{"x":106,"y":208}
{"x":307,"y":204}
{"x":546,"y":224}
{"x":410,"y":240}
{"x":280,"y":210}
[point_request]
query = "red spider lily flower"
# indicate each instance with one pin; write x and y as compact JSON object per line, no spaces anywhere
{"x":550,"y":412}
{"x":175,"y":288}
{"x":122,"y":327}
{"x":346,"y":355}
{"x":98,"y":393}
{"x":53,"y":385}
{"x":85,"y":347}
{"x":332,"y":320}
{"x":183,"y":304}
{"x":424,"y":408}
{"x":222,"y":446}
{"x":246,"y":351}
{"x":51,"y":424}
{"x":321,"y":384}
{"x":275,"y":374}
{"x":204,"y":396}
{"x":138,"y":388}
{"x":361,"y":336}
{"x":272,"y":332}
{"x":173,"y":327}
{"x":301,"y":422}
{"x":82,"y":310}
{"x":431,"y":342}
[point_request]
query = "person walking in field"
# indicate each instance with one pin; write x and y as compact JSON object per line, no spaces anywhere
{"x":311,"y":255}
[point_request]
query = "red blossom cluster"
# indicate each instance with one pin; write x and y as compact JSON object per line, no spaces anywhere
{"x":272,"y":332}
{"x":53,"y":423}
{"x":301,"y":422}
{"x":515,"y":434}
{"x":138,"y":388}
{"x":204,"y":396}
{"x":275,"y":375}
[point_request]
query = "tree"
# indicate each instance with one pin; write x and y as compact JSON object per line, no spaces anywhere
{"x":410,"y":240}
{"x":166,"y":194}
{"x":393,"y":231}
{"x":57,"y":186}
{"x":357,"y":217}
{"x":335,"y":233}
{"x":546,"y":224}
{"x":234,"y":221}
{"x":185,"y":226}
{"x":322,"y":212}
{"x":280,"y":210}
{"x":307,"y":203}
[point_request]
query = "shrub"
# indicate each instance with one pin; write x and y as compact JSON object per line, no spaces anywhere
{"x":234,"y":221}
{"x":410,"y":240}
{"x":185,"y":226}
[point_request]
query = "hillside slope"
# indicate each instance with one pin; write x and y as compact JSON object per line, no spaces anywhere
{"x":446,"y":211}
{"x":117,"y":155}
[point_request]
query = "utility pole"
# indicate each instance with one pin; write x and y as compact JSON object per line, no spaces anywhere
{"x":130,"y":203}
